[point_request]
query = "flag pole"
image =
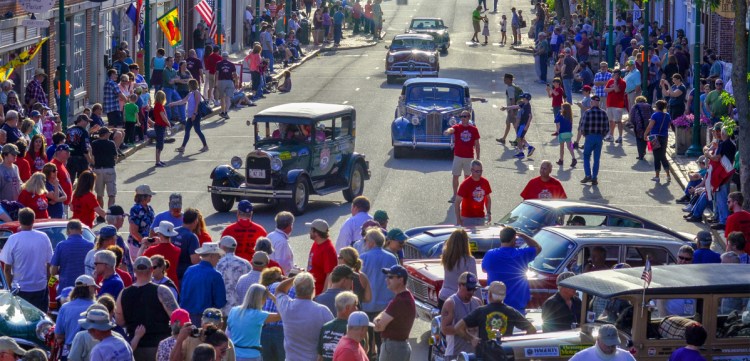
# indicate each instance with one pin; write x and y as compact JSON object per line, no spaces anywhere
{"x":645,"y":285}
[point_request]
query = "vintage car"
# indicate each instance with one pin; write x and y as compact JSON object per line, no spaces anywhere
{"x":563,"y":249}
{"x":529,"y":217}
{"x":716,"y":295}
{"x":300,"y":149}
{"x":56,"y":230}
{"x":426,"y":108}
{"x":29,"y":326}
{"x":411,"y":55}
{"x":433,"y":27}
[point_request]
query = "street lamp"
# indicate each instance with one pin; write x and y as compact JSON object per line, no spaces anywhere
{"x":695,"y":149}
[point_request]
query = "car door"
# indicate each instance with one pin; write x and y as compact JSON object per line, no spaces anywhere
{"x":343,"y":140}
{"x":323,"y":160}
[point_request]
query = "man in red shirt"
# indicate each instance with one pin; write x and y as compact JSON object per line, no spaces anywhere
{"x":472,"y":197}
{"x":210,"y":64}
{"x":616,"y":104}
{"x":162,"y":245}
{"x":349,"y":347}
{"x":225,"y":83}
{"x":322,"y":258}
{"x":739,"y":219}
{"x":62,"y":153}
{"x":465,"y":140}
{"x":544,"y":186}
{"x":245,"y":231}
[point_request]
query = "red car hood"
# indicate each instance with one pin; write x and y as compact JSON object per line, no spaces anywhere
{"x":431,"y":269}
{"x":411,"y":54}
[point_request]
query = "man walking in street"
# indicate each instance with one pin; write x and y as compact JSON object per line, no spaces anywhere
{"x":594,"y":126}
{"x":26,"y":257}
{"x":226,"y":76}
{"x":600,"y":80}
{"x":104,"y":152}
{"x":616,"y":105}
{"x":203,"y":286}
{"x":69,"y":256}
{"x":245,"y":231}
{"x":352,"y":227}
{"x":473,"y":198}
{"x":455,"y":308}
{"x":396,"y":321}
{"x":466,"y":141}
{"x":145,"y":304}
{"x":512,"y":95}
{"x":231,"y":268}
{"x":568,"y":74}
{"x":322,"y":257}
{"x":544,"y":186}
{"x":209,"y":62}
{"x":509,"y":265}
{"x":280,"y":241}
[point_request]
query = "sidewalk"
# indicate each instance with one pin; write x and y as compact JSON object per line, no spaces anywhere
{"x":349,"y":42}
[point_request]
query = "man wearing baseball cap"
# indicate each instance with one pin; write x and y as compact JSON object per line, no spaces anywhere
{"x":704,"y":254}
{"x":605,"y":347}
{"x":342,"y":279}
{"x":9,"y":346}
{"x":203,"y":286}
{"x":496,"y":312}
{"x":173,"y":214}
{"x":455,"y":308}
{"x":394,"y":243}
{"x":349,"y":347}
{"x":79,"y":141}
{"x":60,"y":159}
{"x":333,"y":331}
{"x":258,"y":264}
{"x":245,"y":231}
{"x":11,"y":187}
{"x":563,"y":309}
{"x":396,"y":321}
{"x":110,"y":348}
{"x":322,"y":257}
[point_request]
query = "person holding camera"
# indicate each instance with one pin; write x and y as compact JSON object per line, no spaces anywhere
{"x":191,"y":337}
{"x":148,"y":304}
{"x":162,"y":245}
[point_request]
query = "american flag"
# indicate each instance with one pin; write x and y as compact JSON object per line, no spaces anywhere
{"x":647,"y":273}
{"x":205,"y":9}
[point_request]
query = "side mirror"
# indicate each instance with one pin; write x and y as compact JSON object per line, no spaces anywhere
{"x":387,"y":47}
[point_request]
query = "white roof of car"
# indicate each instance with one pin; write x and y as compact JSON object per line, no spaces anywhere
{"x":305,"y":110}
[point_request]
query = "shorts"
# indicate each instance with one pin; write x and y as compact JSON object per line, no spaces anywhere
{"x":160,"y":132}
{"x":114,"y":119}
{"x":105,"y":177}
{"x":225,"y":88}
{"x":511,"y":117}
{"x":211,"y":80}
{"x":461,"y":164}
{"x":521,"y":133}
{"x":564,"y":137}
{"x":615,"y":114}
{"x":476,"y":26}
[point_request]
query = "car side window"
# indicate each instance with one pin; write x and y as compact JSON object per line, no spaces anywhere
{"x":324,"y":130}
{"x":615,"y":221}
{"x":589,"y":220}
{"x":600,"y":257}
{"x":729,"y":321}
{"x":343,"y":126}
{"x":636,"y":256}
{"x":668,"y":318}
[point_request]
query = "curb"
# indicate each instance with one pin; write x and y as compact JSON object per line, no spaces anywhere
{"x":311,"y":54}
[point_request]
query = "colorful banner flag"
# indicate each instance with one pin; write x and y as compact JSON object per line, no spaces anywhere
{"x":22,"y":59}
{"x":170,"y":25}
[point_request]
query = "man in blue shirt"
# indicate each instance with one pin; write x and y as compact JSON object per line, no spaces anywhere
{"x":508,"y":264}
{"x":70,"y":254}
{"x":187,"y":241}
{"x":704,"y":254}
{"x":351,"y":229}
{"x":67,"y":319}
{"x":202,"y":286}
{"x":374,"y":260}
{"x":173,"y":215}
{"x":338,"y":22}
{"x":104,"y":267}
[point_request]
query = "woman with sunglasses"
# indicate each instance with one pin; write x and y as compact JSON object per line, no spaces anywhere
{"x":12,"y":103}
{"x":140,"y":218}
{"x":159,"y":275}
{"x":55,"y":194}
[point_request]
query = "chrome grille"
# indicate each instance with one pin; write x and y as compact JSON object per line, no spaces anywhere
{"x":411,"y":66}
{"x":258,"y":162}
{"x":411,"y":252}
{"x":434,"y":124}
{"x":418,"y":288}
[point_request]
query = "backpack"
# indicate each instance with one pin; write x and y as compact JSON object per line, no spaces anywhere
{"x":12,"y":208}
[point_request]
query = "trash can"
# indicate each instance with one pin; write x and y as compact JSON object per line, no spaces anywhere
{"x":303,"y":35}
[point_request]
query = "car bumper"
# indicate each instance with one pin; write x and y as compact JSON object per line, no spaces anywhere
{"x":423,"y":145}
{"x":411,"y":73}
{"x":426,"y":311}
{"x":267,"y":193}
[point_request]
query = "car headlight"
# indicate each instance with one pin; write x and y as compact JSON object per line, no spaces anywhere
{"x":43,"y":328}
{"x":276,"y":163}
{"x":390,"y":58}
{"x":432,"y":59}
{"x":435,"y":326}
{"x":452,"y":121}
{"x":236,"y":162}
{"x":415,"y":120}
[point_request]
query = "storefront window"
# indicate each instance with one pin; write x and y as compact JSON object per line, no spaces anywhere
{"x":78,"y":61}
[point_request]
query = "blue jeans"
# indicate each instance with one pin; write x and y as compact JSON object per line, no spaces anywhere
{"x":196,"y":124}
{"x":568,"y":87}
{"x":721,"y":195}
{"x":337,"y":33}
{"x":700,"y":206}
{"x":594,"y":144}
{"x":691,"y":184}
{"x":272,"y":339}
{"x":543,"y":64}
{"x":176,"y":111}
{"x":268,"y":54}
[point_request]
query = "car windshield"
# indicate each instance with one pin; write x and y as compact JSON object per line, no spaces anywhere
{"x":426,"y":24}
{"x":555,"y":250}
{"x":527,"y":218}
{"x":442,"y":95}
{"x":275,"y":132}
{"x":421,"y":44}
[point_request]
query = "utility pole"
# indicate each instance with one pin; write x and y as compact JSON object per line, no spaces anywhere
{"x":61,"y":38}
{"x":147,"y":43}
{"x":695,"y":149}
{"x":611,"y":36}
{"x":646,"y":46}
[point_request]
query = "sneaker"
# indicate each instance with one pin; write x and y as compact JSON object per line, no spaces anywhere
{"x":559,"y":162}
{"x":683,"y":200}
{"x":694,"y":219}
{"x":160,"y":164}
{"x":519,"y":155}
{"x":514,"y":143}
{"x":453,"y":199}
{"x":204,"y":149}
{"x":574,"y":162}
{"x":180,"y":149}
{"x":594,"y":182}
{"x":500,"y":140}
{"x":619,"y":140}
{"x":531,"y":150}
{"x":586,"y":180}
{"x":608,"y":138}
{"x":655,"y":179}
{"x":575,"y":145}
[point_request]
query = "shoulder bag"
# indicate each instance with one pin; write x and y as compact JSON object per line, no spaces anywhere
{"x":203,"y":108}
{"x":655,"y":143}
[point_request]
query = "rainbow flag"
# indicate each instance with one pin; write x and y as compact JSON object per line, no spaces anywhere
{"x":170,"y":25}
{"x":22,"y":59}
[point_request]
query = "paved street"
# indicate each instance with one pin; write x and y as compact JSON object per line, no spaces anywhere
{"x":413,"y":190}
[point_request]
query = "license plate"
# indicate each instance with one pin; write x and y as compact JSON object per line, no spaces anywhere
{"x":473,"y":246}
{"x":257,"y":173}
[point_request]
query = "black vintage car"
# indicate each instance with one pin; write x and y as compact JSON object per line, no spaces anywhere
{"x":412,"y":55}
{"x":300,"y":149}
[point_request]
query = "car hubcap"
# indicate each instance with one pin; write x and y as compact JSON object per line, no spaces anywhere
{"x":356,"y":182}
{"x":300,"y":199}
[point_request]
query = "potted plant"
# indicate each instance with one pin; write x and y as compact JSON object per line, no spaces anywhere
{"x":684,"y":132}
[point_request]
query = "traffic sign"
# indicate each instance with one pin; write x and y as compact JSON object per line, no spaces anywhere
{"x":33,"y":23}
{"x":37,"y":6}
